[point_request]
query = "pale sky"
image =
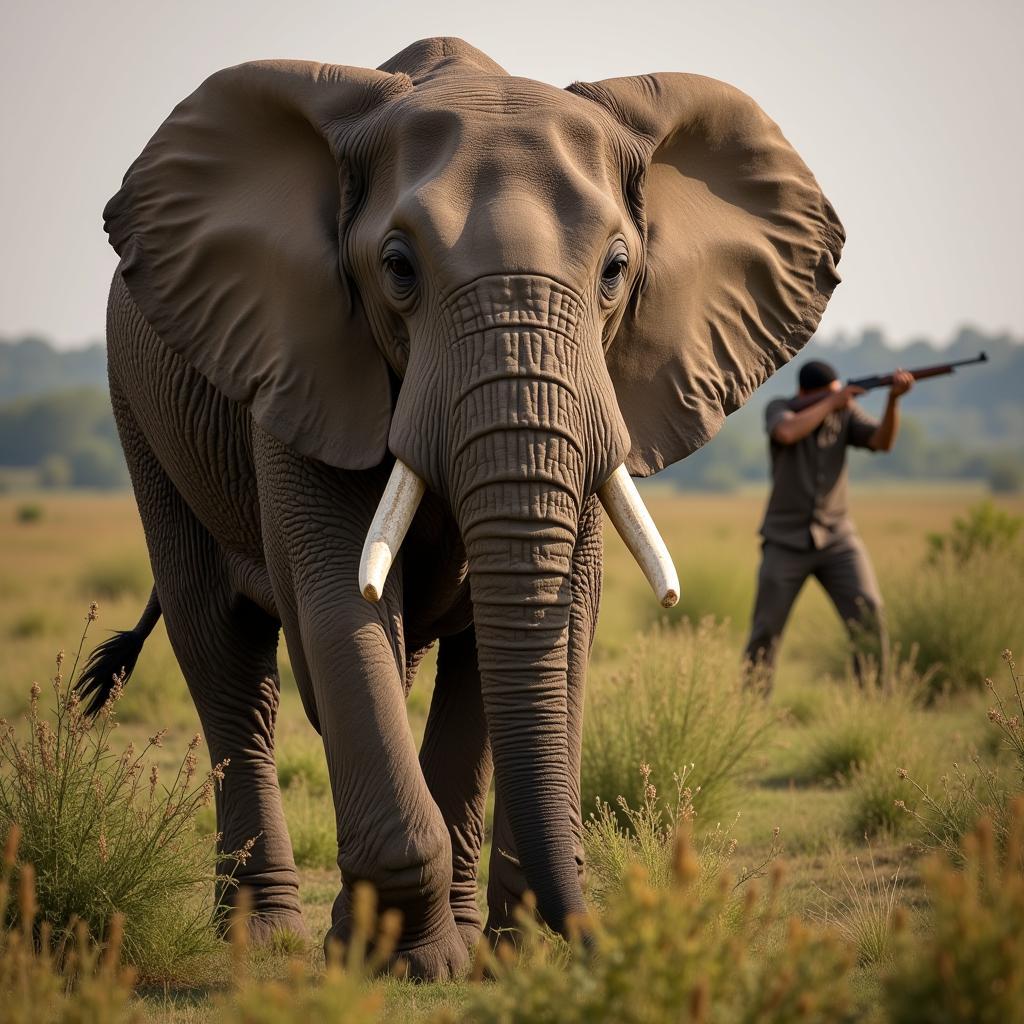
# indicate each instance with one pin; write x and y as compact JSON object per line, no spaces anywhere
{"x":909,"y":113}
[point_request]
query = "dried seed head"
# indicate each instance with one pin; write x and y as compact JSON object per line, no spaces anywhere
{"x":27,"y":896}
{"x":94,"y":611}
{"x":902,"y":772}
{"x":11,"y":844}
{"x":104,"y":852}
{"x":157,"y":739}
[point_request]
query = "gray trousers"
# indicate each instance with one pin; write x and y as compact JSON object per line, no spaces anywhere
{"x":844,"y":570}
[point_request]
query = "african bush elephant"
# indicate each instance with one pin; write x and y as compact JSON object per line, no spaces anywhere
{"x":438,"y":299}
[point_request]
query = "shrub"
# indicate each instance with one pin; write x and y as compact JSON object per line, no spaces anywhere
{"x":963,"y":603}
{"x":878,"y":791}
{"x":860,"y":719}
{"x":105,"y":836}
{"x":986,"y":527}
{"x":110,"y":579}
{"x":47,"y":978}
{"x":683,"y":701}
{"x":974,"y":792}
{"x":648,"y":839}
{"x":72,"y":979}
{"x":968,"y":963}
{"x":670,"y":954}
{"x":29,"y":513}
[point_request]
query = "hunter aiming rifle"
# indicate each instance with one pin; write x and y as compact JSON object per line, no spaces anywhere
{"x":884,"y":380}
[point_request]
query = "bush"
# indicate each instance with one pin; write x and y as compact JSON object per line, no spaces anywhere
{"x":683,"y":701}
{"x":878,"y":791}
{"x":963,"y":604}
{"x":648,"y":839}
{"x":967,"y":965}
{"x":861,"y":718}
{"x":29,"y":513}
{"x":671,"y":954}
{"x":104,"y":836}
{"x":985,"y":528}
{"x":975,"y":792}
{"x":70,"y":980}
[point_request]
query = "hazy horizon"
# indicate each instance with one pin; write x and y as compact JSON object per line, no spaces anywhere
{"x":908,"y":115}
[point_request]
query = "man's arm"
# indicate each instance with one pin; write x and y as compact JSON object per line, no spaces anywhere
{"x":884,"y":437}
{"x":795,"y":426}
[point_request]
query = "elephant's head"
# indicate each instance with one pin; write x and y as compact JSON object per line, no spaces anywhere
{"x":518,"y":290}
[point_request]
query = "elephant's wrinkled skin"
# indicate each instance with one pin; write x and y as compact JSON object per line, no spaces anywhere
{"x":511,"y":288}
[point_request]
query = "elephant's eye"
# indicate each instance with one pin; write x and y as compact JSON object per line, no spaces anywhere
{"x":614,"y":272}
{"x":399,"y":267}
{"x":615,"y":269}
{"x":399,"y":270}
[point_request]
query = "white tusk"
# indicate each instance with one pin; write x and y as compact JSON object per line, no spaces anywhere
{"x":394,"y":514}
{"x":635,"y":526}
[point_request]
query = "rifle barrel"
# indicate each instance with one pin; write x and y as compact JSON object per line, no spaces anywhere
{"x":883,"y":380}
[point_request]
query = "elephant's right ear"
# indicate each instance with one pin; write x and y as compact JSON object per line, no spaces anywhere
{"x":228,"y":228}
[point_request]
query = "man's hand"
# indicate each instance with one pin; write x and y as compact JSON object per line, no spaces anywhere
{"x":902,"y":382}
{"x":841,"y":399}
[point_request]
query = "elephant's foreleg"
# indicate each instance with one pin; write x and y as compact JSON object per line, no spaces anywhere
{"x":456,"y":760}
{"x":390,"y":832}
{"x":506,"y":882}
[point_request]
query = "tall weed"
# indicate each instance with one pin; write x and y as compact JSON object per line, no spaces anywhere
{"x":682,"y":702}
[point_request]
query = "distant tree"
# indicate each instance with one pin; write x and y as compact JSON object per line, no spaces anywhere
{"x":55,"y":472}
{"x":97,"y":463}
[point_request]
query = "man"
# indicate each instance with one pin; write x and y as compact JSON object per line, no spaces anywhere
{"x":807,"y":530}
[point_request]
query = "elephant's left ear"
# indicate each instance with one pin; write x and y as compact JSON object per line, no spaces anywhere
{"x":228,"y":227}
{"x":741,"y":254}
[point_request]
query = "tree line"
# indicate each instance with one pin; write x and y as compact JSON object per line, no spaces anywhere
{"x":56,"y":427}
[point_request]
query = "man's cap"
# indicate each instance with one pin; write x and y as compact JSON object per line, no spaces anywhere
{"x":816,"y":373}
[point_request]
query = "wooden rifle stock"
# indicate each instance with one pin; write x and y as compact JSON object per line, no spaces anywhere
{"x":884,"y":380}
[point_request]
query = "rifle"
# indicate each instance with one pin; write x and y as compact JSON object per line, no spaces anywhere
{"x":884,"y":380}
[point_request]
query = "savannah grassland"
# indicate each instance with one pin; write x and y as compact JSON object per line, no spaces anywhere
{"x":820,"y":775}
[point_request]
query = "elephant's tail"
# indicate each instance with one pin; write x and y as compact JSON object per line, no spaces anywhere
{"x":114,"y":659}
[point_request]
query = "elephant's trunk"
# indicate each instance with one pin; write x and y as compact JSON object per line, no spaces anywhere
{"x":532,"y":430}
{"x":526,"y":411}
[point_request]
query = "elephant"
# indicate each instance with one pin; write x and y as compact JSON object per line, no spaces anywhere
{"x":382,"y":346}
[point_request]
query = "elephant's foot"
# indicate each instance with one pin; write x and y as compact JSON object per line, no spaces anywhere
{"x":441,"y":958}
{"x":287,"y":929}
{"x":433,"y":949}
